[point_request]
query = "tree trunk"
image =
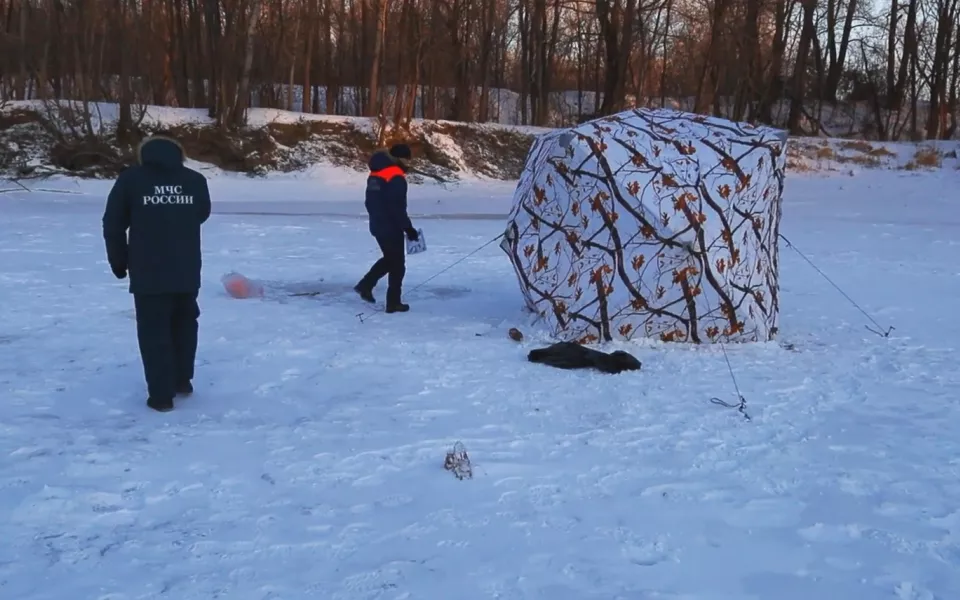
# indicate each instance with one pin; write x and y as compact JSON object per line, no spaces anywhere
{"x":331,"y":78}
{"x":215,"y":41}
{"x":798,"y":94}
{"x":125,"y":117}
{"x":751,"y":56}
{"x":939,"y":67}
{"x":305,"y":101}
{"x":709,"y":76}
{"x":373,"y":92}
{"x":524,"y":34}
{"x":892,"y":53}
{"x":617,"y":35}
{"x":838,"y":56}
{"x":242,"y":98}
{"x":292,"y":54}
{"x":20,"y":90}
{"x":774,"y":89}
{"x":488,"y":15}
{"x":909,"y":51}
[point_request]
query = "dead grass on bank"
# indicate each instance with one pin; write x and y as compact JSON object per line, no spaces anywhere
{"x":29,"y":141}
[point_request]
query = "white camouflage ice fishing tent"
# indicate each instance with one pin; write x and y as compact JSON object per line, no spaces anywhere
{"x":651,"y":223}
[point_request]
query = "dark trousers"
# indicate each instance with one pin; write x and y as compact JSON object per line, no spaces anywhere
{"x":167,"y":333}
{"x":392,"y":264}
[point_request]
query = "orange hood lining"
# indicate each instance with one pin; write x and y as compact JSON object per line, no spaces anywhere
{"x":388,"y":173}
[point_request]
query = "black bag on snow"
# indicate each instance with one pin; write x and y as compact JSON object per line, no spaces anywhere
{"x":570,"y":355}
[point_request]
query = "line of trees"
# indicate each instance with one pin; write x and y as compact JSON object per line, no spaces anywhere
{"x":893,"y":67}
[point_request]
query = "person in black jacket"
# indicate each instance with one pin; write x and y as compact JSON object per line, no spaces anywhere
{"x":163,"y":204}
{"x":386,"y":202}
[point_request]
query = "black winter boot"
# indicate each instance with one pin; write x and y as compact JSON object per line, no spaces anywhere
{"x":365,"y":293}
{"x":398,"y":307}
{"x":185,"y":389}
{"x":165,"y":405}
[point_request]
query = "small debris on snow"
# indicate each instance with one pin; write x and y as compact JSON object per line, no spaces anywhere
{"x":458,"y":461}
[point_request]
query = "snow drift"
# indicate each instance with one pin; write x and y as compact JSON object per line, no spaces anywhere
{"x":651,"y":223}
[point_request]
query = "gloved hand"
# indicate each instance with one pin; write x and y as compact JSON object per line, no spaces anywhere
{"x":412,"y":235}
{"x":119,"y":271}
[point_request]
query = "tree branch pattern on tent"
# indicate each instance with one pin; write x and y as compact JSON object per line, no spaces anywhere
{"x":652,"y":223}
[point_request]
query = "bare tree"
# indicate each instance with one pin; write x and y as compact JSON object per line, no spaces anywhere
{"x":894,"y":67}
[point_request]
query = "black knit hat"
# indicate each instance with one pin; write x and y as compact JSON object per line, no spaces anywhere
{"x":401,"y":151}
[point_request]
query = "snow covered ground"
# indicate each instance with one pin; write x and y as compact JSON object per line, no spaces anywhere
{"x":309,"y":462}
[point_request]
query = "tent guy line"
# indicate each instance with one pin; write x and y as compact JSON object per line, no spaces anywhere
{"x":419,"y":217}
{"x":879,"y":328}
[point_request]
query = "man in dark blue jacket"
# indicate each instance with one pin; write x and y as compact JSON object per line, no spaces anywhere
{"x":386,"y":202}
{"x":163,"y":204}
